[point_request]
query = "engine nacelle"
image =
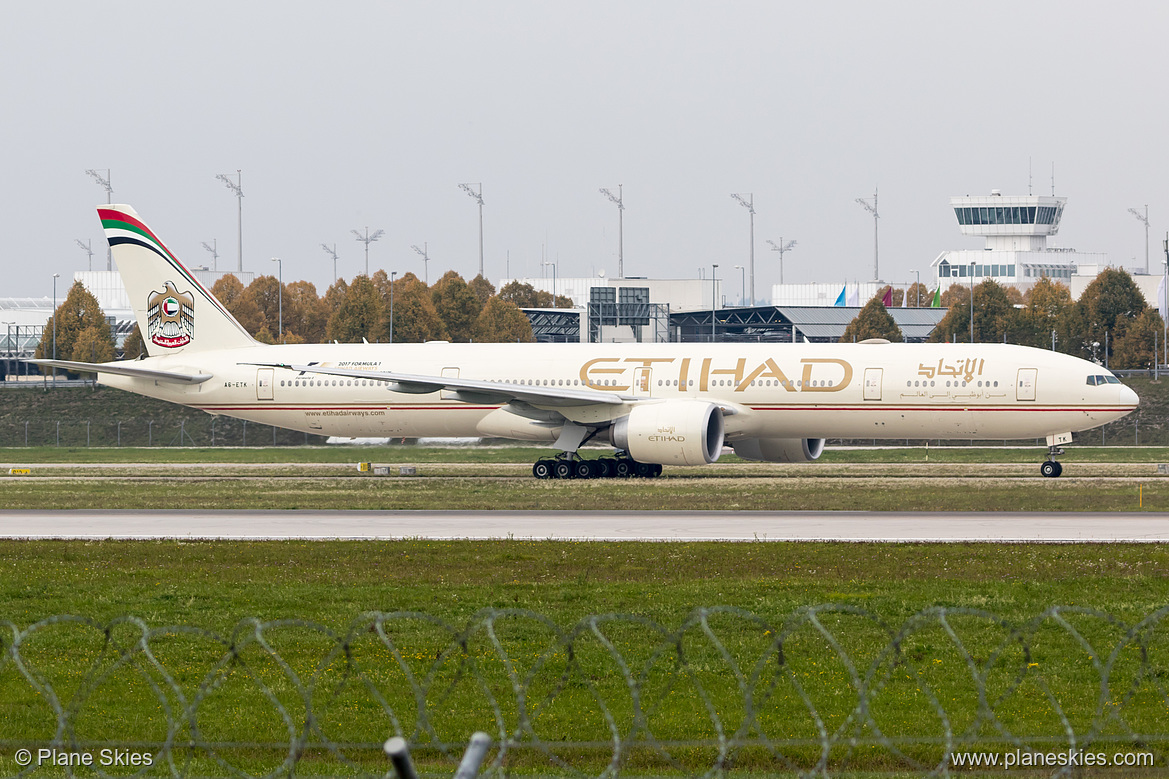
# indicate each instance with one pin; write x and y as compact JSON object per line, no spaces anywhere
{"x":674,"y":432}
{"x":779,"y":450}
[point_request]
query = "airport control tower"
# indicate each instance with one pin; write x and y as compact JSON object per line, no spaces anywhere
{"x":1016,"y":251}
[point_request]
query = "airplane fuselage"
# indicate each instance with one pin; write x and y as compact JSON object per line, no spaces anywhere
{"x":871,"y":390}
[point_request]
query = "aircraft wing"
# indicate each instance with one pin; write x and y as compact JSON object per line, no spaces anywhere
{"x":469,"y":390}
{"x":126,"y":368}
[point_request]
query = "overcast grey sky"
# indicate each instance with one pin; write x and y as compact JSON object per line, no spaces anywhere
{"x":348,"y":114}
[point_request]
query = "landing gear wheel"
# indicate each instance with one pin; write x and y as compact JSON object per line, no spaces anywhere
{"x":1051,"y":469}
{"x":582,"y":469}
{"x":643,"y":470}
{"x":542,"y":469}
{"x":655,"y":471}
{"x":622,"y":469}
{"x":562,"y":469}
{"x":602,"y":468}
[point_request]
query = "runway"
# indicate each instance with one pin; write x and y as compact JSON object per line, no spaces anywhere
{"x":910,"y":527}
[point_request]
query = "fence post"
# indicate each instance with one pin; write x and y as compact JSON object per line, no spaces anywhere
{"x":58,"y":432}
{"x":213,"y":421}
{"x":245,"y":432}
{"x":87,"y":433}
{"x":399,"y":754}
{"x":182,"y":430}
{"x":119,"y":432}
{"x":473,"y":757}
{"x":150,"y":433}
{"x":26,"y":433}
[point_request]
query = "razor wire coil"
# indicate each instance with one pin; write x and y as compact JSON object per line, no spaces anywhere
{"x":827,"y":690}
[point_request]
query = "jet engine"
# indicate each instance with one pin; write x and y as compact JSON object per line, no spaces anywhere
{"x":674,"y":432}
{"x":779,"y":450}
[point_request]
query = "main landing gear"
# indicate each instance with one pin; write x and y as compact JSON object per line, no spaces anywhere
{"x":568,"y":465}
{"x":1052,"y":468}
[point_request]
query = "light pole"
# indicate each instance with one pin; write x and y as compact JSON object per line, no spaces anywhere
{"x":88,"y":250}
{"x":393,"y":275}
{"x":971,"y":302}
{"x":781,"y":247}
{"x":873,"y":210}
{"x":916,"y":286}
{"x":214,"y":249}
{"x":1164,"y":307}
{"x":742,"y":282}
{"x":749,"y":204}
{"x":619,"y":200}
{"x":280,"y":294}
{"x":367,"y":239}
{"x":55,"y":277}
{"x":332,"y":253}
{"x":714,"y":296}
{"x":553,"y":264}
{"x":1143,"y":218}
{"x":478,"y":195}
{"x":237,"y":187}
{"x":105,"y":182}
{"x":425,"y":262}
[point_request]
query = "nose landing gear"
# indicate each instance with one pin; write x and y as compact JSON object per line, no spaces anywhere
{"x":1052,"y":467}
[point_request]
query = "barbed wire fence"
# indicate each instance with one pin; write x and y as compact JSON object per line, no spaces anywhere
{"x":827,"y":691}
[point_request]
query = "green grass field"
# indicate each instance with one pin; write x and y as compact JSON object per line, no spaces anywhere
{"x":490,"y":478}
{"x":924,"y":688}
{"x":664,"y":677}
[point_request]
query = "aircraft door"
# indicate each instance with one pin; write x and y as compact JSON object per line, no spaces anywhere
{"x":641,"y":382}
{"x":1025,"y":387}
{"x":264,"y":383}
{"x":450,"y":373}
{"x":873,"y":383}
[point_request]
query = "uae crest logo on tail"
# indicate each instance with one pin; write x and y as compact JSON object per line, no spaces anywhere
{"x":170,"y":316}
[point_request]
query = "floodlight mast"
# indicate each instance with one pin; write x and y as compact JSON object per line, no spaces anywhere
{"x":1144,"y":218}
{"x":620,"y":201}
{"x":367,"y":239}
{"x":425,"y":262}
{"x":88,"y":250}
{"x":873,"y":210}
{"x":214,"y":249}
{"x":478,"y":195}
{"x":332,"y":253}
{"x":749,"y":204}
{"x":105,"y":182}
{"x":237,"y":187}
{"x":781,"y":247}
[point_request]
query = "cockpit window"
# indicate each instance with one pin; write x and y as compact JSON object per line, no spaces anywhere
{"x":1110,"y":379}
{"x":1092,"y":380}
{"x":1096,"y":381}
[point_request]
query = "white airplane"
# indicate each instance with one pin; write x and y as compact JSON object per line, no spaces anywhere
{"x":658,"y":404}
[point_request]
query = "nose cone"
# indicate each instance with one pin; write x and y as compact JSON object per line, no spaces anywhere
{"x":1128,"y":398}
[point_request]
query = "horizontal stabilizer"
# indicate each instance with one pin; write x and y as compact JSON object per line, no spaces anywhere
{"x":125,"y":369}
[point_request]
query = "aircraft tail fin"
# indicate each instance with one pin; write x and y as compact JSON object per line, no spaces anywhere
{"x":175,"y":312}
